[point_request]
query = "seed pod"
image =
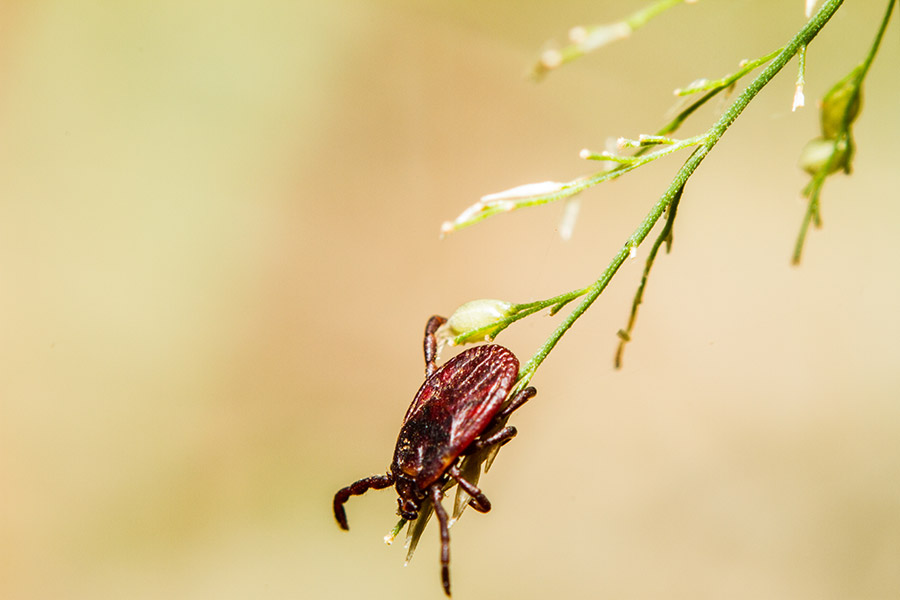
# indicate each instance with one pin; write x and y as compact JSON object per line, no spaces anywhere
{"x":475,"y":315}
{"x":841,"y":102}
{"x":818,"y":151}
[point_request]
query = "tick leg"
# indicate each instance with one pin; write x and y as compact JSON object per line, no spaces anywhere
{"x":436,"y":496}
{"x":430,"y":344}
{"x":479,"y":501}
{"x":501,"y":437}
{"x":517,"y":401}
{"x":375,"y":482}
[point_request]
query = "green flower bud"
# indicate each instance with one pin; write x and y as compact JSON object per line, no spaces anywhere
{"x":841,"y":100}
{"x":475,"y":315}
{"x":818,"y":151}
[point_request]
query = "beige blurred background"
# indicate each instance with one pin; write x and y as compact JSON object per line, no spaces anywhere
{"x":219,"y":246}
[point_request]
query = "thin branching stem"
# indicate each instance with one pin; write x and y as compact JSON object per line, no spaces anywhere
{"x":493,"y":205}
{"x":724,"y":82}
{"x":811,"y":215}
{"x":667,"y":204}
{"x":586,"y":39}
{"x":665,"y":236}
{"x":843,"y":143}
{"x":517,"y":312}
{"x":637,"y":160}
{"x":715,"y":133}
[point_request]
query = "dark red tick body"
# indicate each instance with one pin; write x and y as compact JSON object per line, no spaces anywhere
{"x":447,"y":419}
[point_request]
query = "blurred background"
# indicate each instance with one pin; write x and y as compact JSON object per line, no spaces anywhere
{"x":219,"y":247}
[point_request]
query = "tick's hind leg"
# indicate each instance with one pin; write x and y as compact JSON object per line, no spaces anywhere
{"x":479,"y":501}
{"x":507,"y":433}
{"x":516,"y":401}
{"x":436,"y":496}
{"x":375,"y":482}
{"x":499,"y":438}
{"x":430,"y":343}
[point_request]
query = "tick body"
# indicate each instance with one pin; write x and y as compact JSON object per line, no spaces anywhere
{"x":450,"y":416}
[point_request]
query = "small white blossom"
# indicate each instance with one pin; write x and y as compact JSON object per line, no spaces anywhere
{"x":578,"y":34}
{"x":799,"y":98}
{"x":551,"y":59}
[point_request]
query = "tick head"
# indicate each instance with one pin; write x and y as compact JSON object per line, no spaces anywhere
{"x":410,"y":498}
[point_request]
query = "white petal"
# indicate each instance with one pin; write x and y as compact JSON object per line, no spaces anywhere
{"x":526,"y":191}
{"x":569,"y":216}
{"x":799,"y":99}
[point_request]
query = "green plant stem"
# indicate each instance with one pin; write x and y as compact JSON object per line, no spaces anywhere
{"x":482,"y":210}
{"x":665,"y":236}
{"x":870,"y":57}
{"x":638,"y":160}
{"x":626,"y":164}
{"x":614,"y":31}
{"x":517,"y":312}
{"x":724,"y":82}
{"x":715,"y":133}
{"x":814,"y":188}
{"x":812,"y":214}
{"x":641,"y":17}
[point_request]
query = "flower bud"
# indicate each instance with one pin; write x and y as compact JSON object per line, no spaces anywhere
{"x":476,"y":315}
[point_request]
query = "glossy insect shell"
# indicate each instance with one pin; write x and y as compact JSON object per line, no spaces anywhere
{"x":452,"y":408}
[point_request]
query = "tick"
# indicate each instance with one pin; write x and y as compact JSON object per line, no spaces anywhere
{"x":458,"y":410}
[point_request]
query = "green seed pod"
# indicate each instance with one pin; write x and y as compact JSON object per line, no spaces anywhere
{"x":477,"y":314}
{"x":818,"y":151}
{"x":842,"y":101}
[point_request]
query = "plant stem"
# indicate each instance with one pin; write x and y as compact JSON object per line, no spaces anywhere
{"x":592,"y":37}
{"x":665,"y":236}
{"x":874,"y":49}
{"x":517,"y":312}
{"x":803,"y":37}
{"x":487,"y":208}
{"x":638,"y":160}
{"x":814,"y":189}
{"x":728,"y":79}
{"x":641,"y":17}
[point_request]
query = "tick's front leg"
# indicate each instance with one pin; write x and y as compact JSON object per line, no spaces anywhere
{"x":430,"y":343}
{"x":375,"y":482}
